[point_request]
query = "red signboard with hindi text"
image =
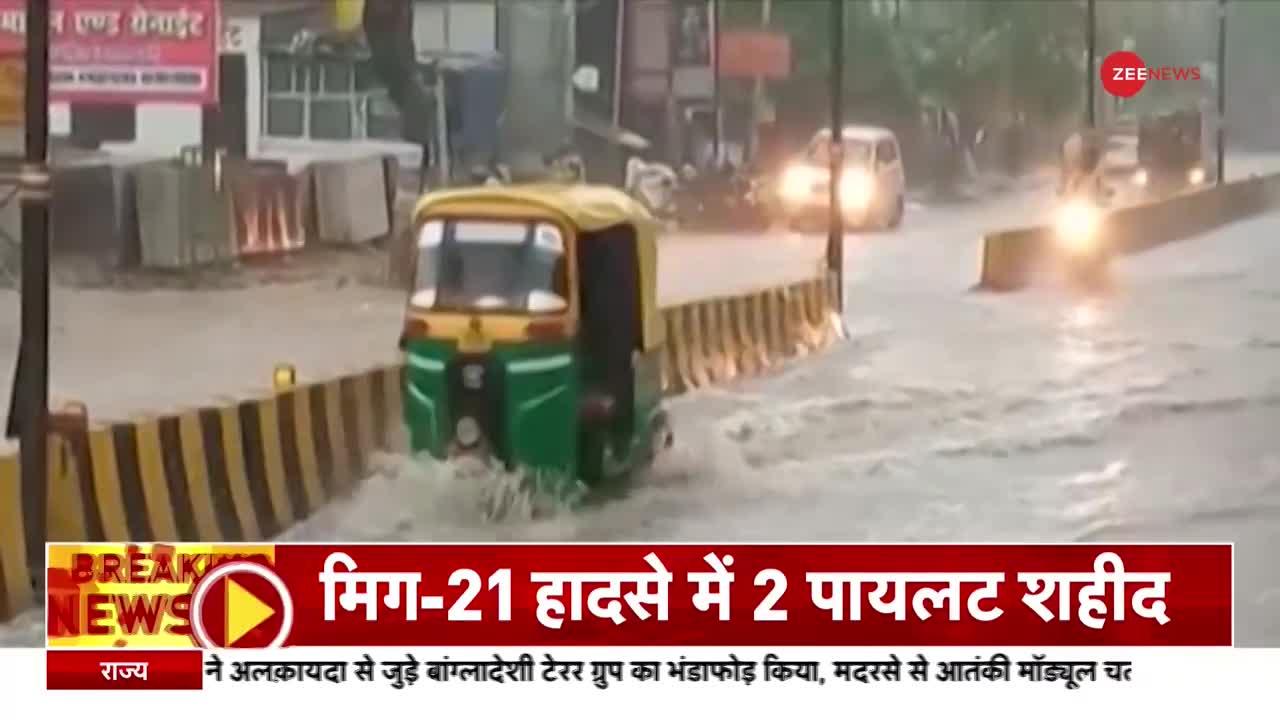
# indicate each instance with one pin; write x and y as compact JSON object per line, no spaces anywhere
{"x":750,"y":54}
{"x":124,"y":51}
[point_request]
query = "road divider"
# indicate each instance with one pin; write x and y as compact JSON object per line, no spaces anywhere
{"x":1011,"y":259}
{"x":718,"y":340}
{"x":249,"y":470}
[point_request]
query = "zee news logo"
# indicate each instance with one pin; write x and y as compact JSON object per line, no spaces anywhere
{"x":1124,"y":73}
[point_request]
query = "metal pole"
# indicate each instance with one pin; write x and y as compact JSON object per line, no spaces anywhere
{"x":716,"y":129}
{"x":835,"y":236}
{"x":1091,"y":79}
{"x":33,"y":381}
{"x":1222,"y":90}
{"x":758,"y":98}
{"x":570,"y":60}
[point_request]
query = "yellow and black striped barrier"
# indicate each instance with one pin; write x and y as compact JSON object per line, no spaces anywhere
{"x":241,"y":472}
{"x":237,"y":473}
{"x":720,"y":339}
{"x":249,"y":470}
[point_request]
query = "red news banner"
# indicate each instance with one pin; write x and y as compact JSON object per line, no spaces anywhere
{"x":237,"y":596}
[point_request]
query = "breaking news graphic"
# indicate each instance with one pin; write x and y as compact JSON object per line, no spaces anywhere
{"x":293,"y":619}
{"x":277,"y":596}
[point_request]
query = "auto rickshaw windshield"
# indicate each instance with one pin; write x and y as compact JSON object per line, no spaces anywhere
{"x":856,"y":152}
{"x":490,"y":266}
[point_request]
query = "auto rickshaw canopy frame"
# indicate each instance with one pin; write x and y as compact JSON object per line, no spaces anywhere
{"x":580,"y":208}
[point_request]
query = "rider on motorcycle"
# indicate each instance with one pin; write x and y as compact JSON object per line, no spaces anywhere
{"x":1081,"y":170}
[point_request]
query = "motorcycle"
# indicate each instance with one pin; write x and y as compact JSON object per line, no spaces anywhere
{"x":566,"y":165}
{"x":1081,"y":246}
{"x":725,"y":199}
{"x":653,"y":185}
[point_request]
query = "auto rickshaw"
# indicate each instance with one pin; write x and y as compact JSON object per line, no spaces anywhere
{"x":532,"y":335}
{"x":1170,"y":154}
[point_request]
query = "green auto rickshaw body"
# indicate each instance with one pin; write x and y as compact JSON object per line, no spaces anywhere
{"x":570,"y":390}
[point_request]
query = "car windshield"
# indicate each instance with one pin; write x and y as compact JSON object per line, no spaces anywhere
{"x":856,"y":152}
{"x":483,"y":266}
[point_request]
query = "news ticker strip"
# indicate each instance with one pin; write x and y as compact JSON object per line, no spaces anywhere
{"x":183,"y":670}
{"x":255,"y":596}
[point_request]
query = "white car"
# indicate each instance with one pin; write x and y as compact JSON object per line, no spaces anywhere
{"x":873,"y":188}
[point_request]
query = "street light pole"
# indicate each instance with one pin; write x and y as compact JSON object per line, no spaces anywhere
{"x":835,"y":236}
{"x":33,"y":363}
{"x":1222,"y":90}
{"x":758,"y":97}
{"x":717,"y":129}
{"x":1091,"y":39}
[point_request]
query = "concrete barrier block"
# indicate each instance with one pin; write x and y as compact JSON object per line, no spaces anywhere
{"x":183,"y":217}
{"x":269,"y":208}
{"x":350,"y":200}
{"x":1012,"y":258}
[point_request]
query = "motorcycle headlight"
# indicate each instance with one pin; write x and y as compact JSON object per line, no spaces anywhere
{"x":1196,"y":176}
{"x":1140,"y":178}
{"x":467,"y":432}
{"x":856,"y":188}
{"x":797,"y":181}
{"x":1077,"y":226}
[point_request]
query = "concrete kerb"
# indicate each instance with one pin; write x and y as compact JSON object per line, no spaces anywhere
{"x":247,"y":470}
{"x":1011,"y":258}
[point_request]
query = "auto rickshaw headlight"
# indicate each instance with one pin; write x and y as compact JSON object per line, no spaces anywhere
{"x":1196,"y":176}
{"x":467,"y":432}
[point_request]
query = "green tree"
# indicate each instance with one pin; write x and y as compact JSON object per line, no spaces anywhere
{"x":1001,"y":57}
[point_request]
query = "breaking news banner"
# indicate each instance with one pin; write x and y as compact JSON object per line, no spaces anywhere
{"x":296,"y":619}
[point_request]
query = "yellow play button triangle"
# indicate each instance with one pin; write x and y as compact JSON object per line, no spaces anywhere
{"x":244,"y":612}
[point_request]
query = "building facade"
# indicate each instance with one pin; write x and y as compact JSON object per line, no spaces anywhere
{"x":281,"y":98}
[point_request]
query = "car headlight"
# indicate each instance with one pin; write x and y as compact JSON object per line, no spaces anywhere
{"x":797,"y":182}
{"x":1078,"y":226}
{"x":1196,"y":176}
{"x":467,"y":432}
{"x":856,"y":188}
{"x":1140,"y":178}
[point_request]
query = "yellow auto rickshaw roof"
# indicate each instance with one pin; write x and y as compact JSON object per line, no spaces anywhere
{"x":589,"y":207}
